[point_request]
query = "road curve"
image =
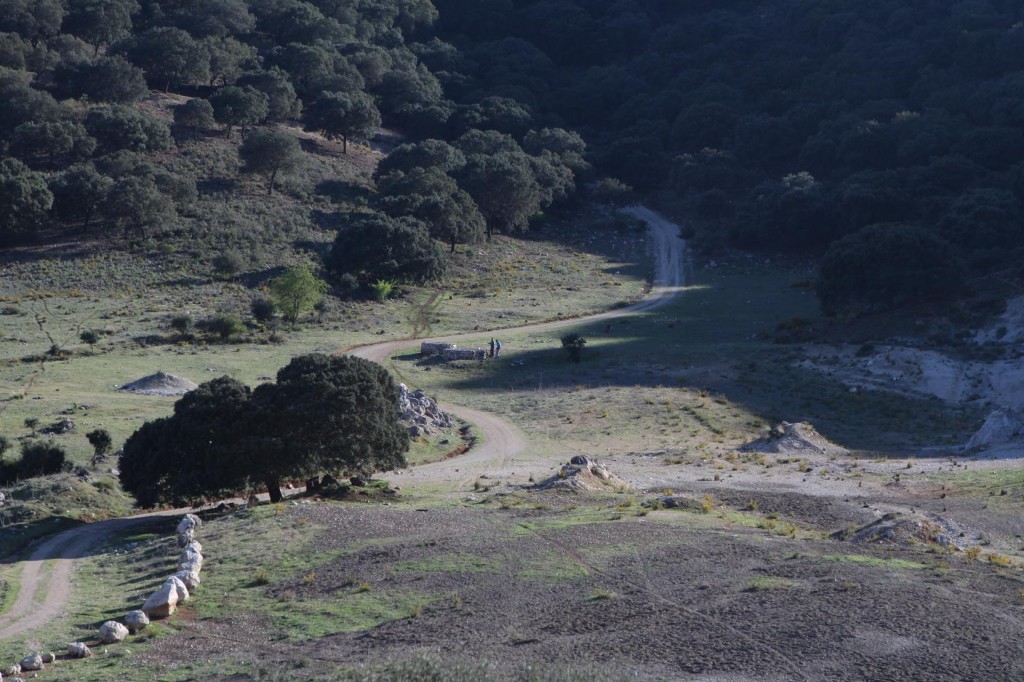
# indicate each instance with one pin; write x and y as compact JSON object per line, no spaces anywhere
{"x":501,"y":443}
{"x":501,"y":440}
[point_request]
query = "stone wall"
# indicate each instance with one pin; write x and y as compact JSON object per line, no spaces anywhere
{"x":433,"y":348}
{"x":464,"y":354}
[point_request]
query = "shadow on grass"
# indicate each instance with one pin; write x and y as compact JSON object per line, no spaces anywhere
{"x":709,"y":339}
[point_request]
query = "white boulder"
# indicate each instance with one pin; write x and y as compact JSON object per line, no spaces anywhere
{"x":136,"y":620}
{"x":189,"y":522}
{"x":34,"y":661}
{"x":161,"y":603}
{"x":112,"y":632}
{"x":79,"y":650}
{"x":190,"y":579}
{"x":179,"y":588}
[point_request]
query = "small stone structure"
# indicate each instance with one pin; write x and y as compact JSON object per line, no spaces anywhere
{"x":464,"y":354}
{"x":582,"y":474}
{"x":428,"y":348}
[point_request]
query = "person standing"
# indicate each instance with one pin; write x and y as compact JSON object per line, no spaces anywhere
{"x":491,"y":344}
{"x":497,"y":348}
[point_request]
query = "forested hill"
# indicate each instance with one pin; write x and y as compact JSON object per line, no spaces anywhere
{"x":787,"y":124}
{"x":886,"y":138}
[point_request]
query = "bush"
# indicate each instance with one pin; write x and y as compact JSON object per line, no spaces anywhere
{"x":224,"y":325}
{"x":181,"y":323}
{"x":382,"y":288}
{"x":574,"y":343}
{"x":228,"y":264}
{"x":263,"y":309}
{"x":37,"y":459}
{"x":89,"y":336}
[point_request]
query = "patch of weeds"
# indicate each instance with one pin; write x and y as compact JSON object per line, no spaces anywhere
{"x":767,"y":583}
{"x":601,"y":593}
{"x":261,"y":577}
{"x":873,"y":561}
{"x":971,"y":554}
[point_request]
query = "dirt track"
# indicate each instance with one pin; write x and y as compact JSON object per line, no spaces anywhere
{"x":501,"y":442}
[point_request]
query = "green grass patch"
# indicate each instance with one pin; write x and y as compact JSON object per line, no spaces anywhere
{"x":767,"y":583}
{"x":349,"y":612}
{"x":552,"y":567}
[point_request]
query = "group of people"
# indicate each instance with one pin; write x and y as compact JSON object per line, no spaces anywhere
{"x":495,"y":348}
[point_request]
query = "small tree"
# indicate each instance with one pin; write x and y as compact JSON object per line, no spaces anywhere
{"x":296,"y":291}
{"x":32,"y":423}
{"x":242,"y":106}
{"x":90,"y":337}
{"x":574,"y":343}
{"x":41,"y":459}
{"x":181,"y":323}
{"x":343,"y":115}
{"x":263,"y":309}
{"x":269,"y":152}
{"x":101,"y":443}
{"x":194,"y":115}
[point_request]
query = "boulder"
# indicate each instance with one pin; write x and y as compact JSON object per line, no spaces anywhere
{"x":79,"y":650}
{"x":189,"y":522}
{"x":193,"y":546}
{"x":186,"y":538}
{"x":112,"y":632}
{"x":179,"y":588}
{"x":190,"y":579}
{"x":34,"y":661}
{"x":191,"y":566}
{"x":188,"y":556}
{"x":161,"y":603}
{"x":12,"y":670}
{"x":136,"y":620}
{"x":49,"y":657}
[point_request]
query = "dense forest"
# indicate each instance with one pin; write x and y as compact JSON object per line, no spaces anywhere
{"x":884,"y":138}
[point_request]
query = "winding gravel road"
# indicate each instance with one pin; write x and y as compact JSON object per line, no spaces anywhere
{"x":44,"y":580}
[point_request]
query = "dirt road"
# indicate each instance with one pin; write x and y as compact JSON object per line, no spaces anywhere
{"x":501,"y":440}
{"x":44,"y":582}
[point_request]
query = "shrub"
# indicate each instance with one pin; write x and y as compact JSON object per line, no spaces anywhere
{"x":229,"y":263}
{"x":224,"y":325}
{"x":574,"y":343}
{"x":37,"y":459}
{"x":101,"y":443}
{"x":89,"y":336}
{"x":181,"y":323}
{"x":382,"y":288}
{"x":263,"y":309}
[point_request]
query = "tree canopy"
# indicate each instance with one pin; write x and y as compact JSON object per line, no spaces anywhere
{"x":324,"y":414}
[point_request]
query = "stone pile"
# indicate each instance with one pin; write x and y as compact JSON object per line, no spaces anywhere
{"x":175,"y":590}
{"x":420,"y":413}
{"x":583,"y":474}
{"x":796,"y":440}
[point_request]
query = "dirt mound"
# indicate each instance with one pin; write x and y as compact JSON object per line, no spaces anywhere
{"x":583,"y":474}
{"x":1002,"y":426}
{"x":794,"y":439}
{"x":160,"y":383}
{"x":907,"y":529}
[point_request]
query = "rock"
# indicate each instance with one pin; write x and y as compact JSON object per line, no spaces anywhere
{"x":112,"y":632}
{"x":357,"y":482}
{"x":179,"y":588}
{"x":193,"y":546}
{"x":136,"y":620}
{"x":12,"y":670}
{"x":189,"y":522}
{"x":161,"y":603}
{"x":186,"y":537}
{"x":79,"y":650}
{"x":49,"y":657}
{"x":192,"y":557}
{"x":253,"y":501}
{"x":192,"y":566}
{"x":1002,"y":426}
{"x":190,"y":579}
{"x":580,"y":460}
{"x":58,"y":428}
{"x":34,"y":661}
